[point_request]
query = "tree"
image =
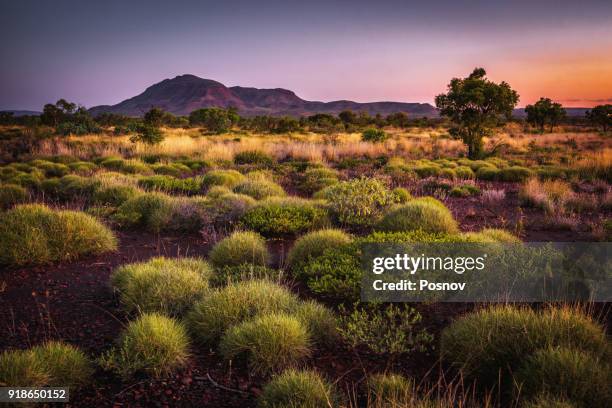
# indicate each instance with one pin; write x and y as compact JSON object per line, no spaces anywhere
{"x":216,"y":120}
{"x":154,"y":117}
{"x":399,"y":119}
{"x":475,"y":105}
{"x":601,"y":115}
{"x":148,"y":134}
{"x":543,"y":112}
{"x":348,"y":117}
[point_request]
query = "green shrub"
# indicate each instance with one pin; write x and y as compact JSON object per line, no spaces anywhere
{"x":70,"y":187}
{"x":255,"y":157}
{"x":227,"y":178}
{"x":276,"y":216}
{"x":319,"y":320}
{"x":237,"y":302}
{"x":358,"y":202}
{"x":11,"y":194}
{"x":50,"y":364}
{"x":464,"y":173}
{"x":401,"y":195}
{"x":298,"y":389}
{"x":389,"y":390}
{"x":259,"y":188}
{"x":217,"y":191}
{"x":226,"y":209}
{"x":150,"y":210}
{"x":419,"y":214}
{"x":496,"y":340}
{"x":171,"y":184}
{"x":465,"y":190}
{"x":152,"y":344}
{"x":271,"y":343}
{"x":313,"y":244}
{"x":515,"y":173}
{"x":488,"y":173}
{"x":51,"y":169}
{"x":172,"y":169}
{"x":114,"y":196}
{"x":317,"y":178}
{"x":237,"y":273}
{"x":448,"y":174}
{"x":167,"y":286}
{"x":427,"y":170}
{"x":35,"y":234}
{"x":374,"y":135}
{"x":572,"y":374}
{"x":388,"y":330}
{"x":239,"y":248}
{"x":82,"y":167}
{"x":28,"y":180}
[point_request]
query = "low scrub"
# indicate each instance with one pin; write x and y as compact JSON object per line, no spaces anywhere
{"x":317,"y":178}
{"x":276,"y":217}
{"x":237,"y":302}
{"x":389,"y":390}
{"x":270,"y":343}
{"x":153,"y":344}
{"x":167,"y":286}
{"x":237,"y":273}
{"x":254,"y":157}
{"x":11,"y":194}
{"x":35,"y":234}
{"x":242,"y":247}
{"x":419,"y":214}
{"x":226,"y":178}
{"x":313,"y":244}
{"x":574,"y":375}
{"x":191,"y":185}
{"x":295,"y":388}
{"x":259,"y":189}
{"x":51,"y":364}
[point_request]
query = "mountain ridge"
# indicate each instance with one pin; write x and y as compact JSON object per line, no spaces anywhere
{"x":186,"y":93}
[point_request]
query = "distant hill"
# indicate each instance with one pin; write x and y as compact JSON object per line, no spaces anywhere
{"x":22,"y":112}
{"x":186,"y":93}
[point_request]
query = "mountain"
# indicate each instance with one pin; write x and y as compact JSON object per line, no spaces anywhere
{"x":22,"y":112}
{"x":186,"y":93}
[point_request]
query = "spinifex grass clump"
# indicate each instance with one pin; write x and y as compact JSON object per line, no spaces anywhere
{"x":419,"y":214}
{"x":277,"y":216}
{"x":313,"y":244}
{"x":168,"y":286}
{"x":190,"y":185}
{"x":270,"y":342}
{"x":389,"y":390}
{"x":239,"y":248}
{"x":295,"y":388}
{"x":259,"y":188}
{"x":236,"y":302}
{"x":50,"y":364}
{"x":575,"y":375}
{"x":35,"y":234}
{"x":492,"y":343}
{"x":226,"y":178}
{"x":254,"y":157}
{"x":11,"y":194}
{"x":153,"y":344}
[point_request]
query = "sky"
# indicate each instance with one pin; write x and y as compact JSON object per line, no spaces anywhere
{"x":94,"y":52}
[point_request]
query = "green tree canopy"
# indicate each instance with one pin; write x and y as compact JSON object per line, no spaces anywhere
{"x":544,"y":112}
{"x":475,"y":106}
{"x":216,"y":120}
{"x":601,"y":115}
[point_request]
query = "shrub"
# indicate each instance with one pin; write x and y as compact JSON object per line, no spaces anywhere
{"x":172,"y":169}
{"x":271,"y":342}
{"x":226,"y":209}
{"x":401,"y":195}
{"x":51,"y":169}
{"x":464,"y":190}
{"x":70,"y":187}
{"x":255,"y":157}
{"x":227,"y":178}
{"x":427,"y":170}
{"x":35,"y":234}
{"x":283,"y":216}
{"x":388,"y":330}
{"x":152,"y":344}
{"x":515,"y":173}
{"x":313,"y":244}
{"x":11,"y":194}
{"x":418,"y":214}
{"x":239,"y":248}
{"x":114,"y":196}
{"x":448,"y":174}
{"x":259,"y":188}
{"x":316,"y":178}
{"x":237,"y":273}
{"x":150,"y":210}
{"x":573,"y":374}
{"x":237,"y":302}
{"x":464,"y":172}
{"x":292,"y":388}
{"x":167,"y":286}
{"x":82,"y":167}
{"x":358,"y":202}
{"x":171,"y":184}
{"x":487,"y":173}
{"x":319,"y":320}
{"x":389,"y":390}
{"x":495,"y":340}
{"x":50,"y":364}
{"x":374,"y":135}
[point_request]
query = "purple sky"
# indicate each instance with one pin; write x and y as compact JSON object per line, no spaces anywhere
{"x":103,"y":52}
